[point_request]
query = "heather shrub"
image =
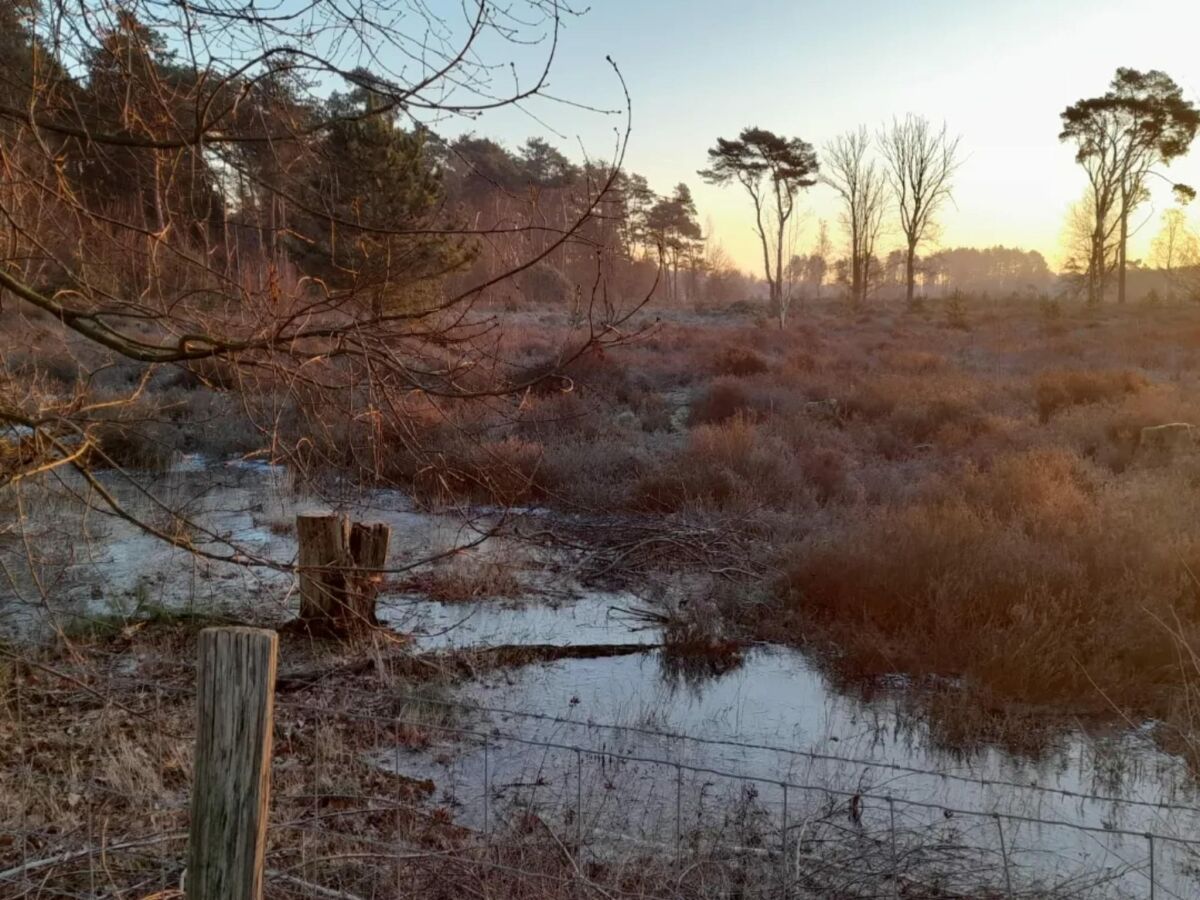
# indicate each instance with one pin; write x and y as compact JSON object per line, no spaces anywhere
{"x":801,"y":362}
{"x":1018,"y":578}
{"x":653,"y":411}
{"x":130,"y":444}
{"x":920,"y":362}
{"x":559,"y":416}
{"x":506,"y":470}
{"x":827,"y":471}
{"x":592,"y":474}
{"x":543,"y":377}
{"x":1111,"y":433}
{"x":54,"y":364}
{"x":722,"y":400}
{"x":1054,"y":391}
{"x":1050,"y":492}
{"x":739,"y":362}
{"x":916,"y":410}
{"x":595,"y":372}
{"x":502,"y":471}
{"x":731,"y":464}
{"x":950,"y":421}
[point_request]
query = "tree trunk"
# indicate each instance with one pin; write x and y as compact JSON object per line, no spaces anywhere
{"x":910,"y":276}
{"x":779,"y":260}
{"x":1121,"y":253}
{"x":1096,"y":267}
{"x":339,"y":577}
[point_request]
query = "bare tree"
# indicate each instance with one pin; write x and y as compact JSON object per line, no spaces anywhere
{"x":1176,"y":243}
{"x":1090,"y":242}
{"x":862,"y":186}
{"x":221,"y":193}
{"x":793,"y":271}
{"x":1098,"y":141}
{"x":818,"y":260}
{"x":921,"y":163}
{"x":1176,"y":250}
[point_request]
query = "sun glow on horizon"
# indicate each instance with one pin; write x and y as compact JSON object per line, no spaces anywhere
{"x":998,"y":75}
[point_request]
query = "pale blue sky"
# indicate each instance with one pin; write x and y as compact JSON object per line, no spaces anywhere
{"x":997,"y":73}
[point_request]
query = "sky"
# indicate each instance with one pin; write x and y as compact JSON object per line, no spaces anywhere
{"x":998,"y":73}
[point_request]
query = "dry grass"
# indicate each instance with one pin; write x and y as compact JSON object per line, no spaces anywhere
{"x":461,"y":583}
{"x":739,"y":362}
{"x":96,"y":792}
{"x":936,"y":500}
{"x":1040,"y":582}
{"x":969,"y":503}
{"x":1054,"y":391}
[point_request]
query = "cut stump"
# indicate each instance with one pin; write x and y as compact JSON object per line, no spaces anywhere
{"x":340,"y":572}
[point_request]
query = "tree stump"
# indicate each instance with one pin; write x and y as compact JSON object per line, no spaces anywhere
{"x":339,"y":572}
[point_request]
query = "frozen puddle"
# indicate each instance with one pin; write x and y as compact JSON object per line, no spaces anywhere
{"x":239,"y":515}
{"x":775,"y":756}
{"x":542,"y":740}
{"x":593,"y":618}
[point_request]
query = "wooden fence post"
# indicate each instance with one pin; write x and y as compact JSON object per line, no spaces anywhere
{"x":235,"y":691}
{"x":339,"y":571}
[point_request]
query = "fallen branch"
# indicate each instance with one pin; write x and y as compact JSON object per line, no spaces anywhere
{"x":461,"y":662}
{"x":308,"y":886}
{"x":35,"y":864}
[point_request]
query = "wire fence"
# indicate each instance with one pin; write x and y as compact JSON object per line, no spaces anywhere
{"x":435,"y":798}
{"x":608,"y":793}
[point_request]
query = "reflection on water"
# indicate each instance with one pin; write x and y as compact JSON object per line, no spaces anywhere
{"x":777,"y":719}
{"x":768,"y":714}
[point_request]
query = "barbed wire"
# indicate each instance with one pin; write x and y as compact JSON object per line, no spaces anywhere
{"x":815,"y":756}
{"x":782,"y":783}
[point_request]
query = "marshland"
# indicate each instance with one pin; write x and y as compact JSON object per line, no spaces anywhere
{"x":783,"y":533}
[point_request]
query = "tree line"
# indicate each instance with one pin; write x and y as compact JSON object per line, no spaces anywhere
{"x":218,"y":193}
{"x":914,"y":174}
{"x":1123,"y":139}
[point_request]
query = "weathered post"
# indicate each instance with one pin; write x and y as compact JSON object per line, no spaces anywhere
{"x":235,"y":689}
{"x":339,"y":571}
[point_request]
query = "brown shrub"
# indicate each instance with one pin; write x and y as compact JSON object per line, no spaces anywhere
{"x":723,"y":399}
{"x":827,"y":471}
{"x":595,"y":372}
{"x":731,"y":464}
{"x":801,"y":362}
{"x":559,"y":416}
{"x":739,"y":362}
{"x":145,"y":444}
{"x":1110,"y":433}
{"x":500,"y":471}
{"x":593,"y":474}
{"x":916,"y":361}
{"x":1054,"y":391}
{"x":1019,"y":579}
